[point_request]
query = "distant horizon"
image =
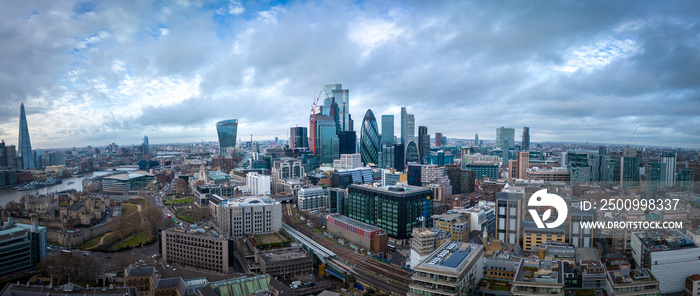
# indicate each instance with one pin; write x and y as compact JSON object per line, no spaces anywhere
{"x":108,"y":71}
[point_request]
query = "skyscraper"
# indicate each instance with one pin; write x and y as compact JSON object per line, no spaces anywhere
{"x":505,"y":139}
{"x":476,"y":140}
{"x":438,"y":140}
{"x":668,"y":170}
{"x":335,"y":92}
{"x":404,"y":126}
{"x":227,"y":130}
{"x":144,"y":146}
{"x":525,"y":146}
{"x":347,"y":141}
{"x":412,"y":152}
{"x":424,"y":144}
{"x":298,"y":138}
{"x":388,"y":129}
{"x":327,"y":142}
{"x":369,"y":139}
{"x":411,"y":127}
{"x":25,"y":147}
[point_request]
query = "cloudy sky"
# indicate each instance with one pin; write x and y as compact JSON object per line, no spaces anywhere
{"x":91,"y":73}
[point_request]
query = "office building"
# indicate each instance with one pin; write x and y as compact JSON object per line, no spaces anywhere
{"x":509,"y":216}
{"x":312,"y":198}
{"x":414,"y":175}
{"x":424,"y":144}
{"x":337,"y":201}
{"x":523,"y":164}
{"x":369,"y":139}
{"x":629,"y":282}
{"x":525,"y":144}
{"x":327,"y":142}
{"x":287,"y":167}
{"x":227,"y":131}
{"x":343,"y":178}
{"x":423,"y":242}
{"x":257,"y":184}
{"x":505,"y":139}
{"x":347,"y":141}
{"x":435,"y":176}
{"x":483,"y":171}
{"x":24,"y":145}
{"x":288,"y":261}
{"x":259,"y":285}
{"x":369,"y":237}
{"x":539,"y":277}
{"x":669,"y":254}
{"x":348,"y":161}
{"x":534,"y":237}
{"x":456,"y":224}
{"x":22,"y":246}
{"x":124,"y":182}
{"x":388,"y":130}
{"x":440,"y":157}
{"x":555,"y":174}
{"x":147,"y":282}
{"x":336,"y":93}
{"x":481,"y":217}
{"x":476,"y":140}
{"x":298,"y":138}
{"x":408,"y":129}
{"x":668,"y":169}
{"x":250,"y":215}
{"x":692,"y":285}
{"x":392,"y":177}
{"x":200,"y":247}
{"x":412,"y":154}
{"x":392,"y":157}
{"x":145,"y":148}
{"x":453,"y":269}
{"x":396,"y":209}
{"x":438,"y":140}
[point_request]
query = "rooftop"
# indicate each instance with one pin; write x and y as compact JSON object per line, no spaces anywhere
{"x":665,"y":240}
{"x":541,"y":271}
{"x":631,"y":276}
{"x":248,"y":201}
{"x":451,"y":256}
{"x":353,"y":222}
{"x":394,"y":189}
{"x":285,"y":254}
{"x":67,"y":289}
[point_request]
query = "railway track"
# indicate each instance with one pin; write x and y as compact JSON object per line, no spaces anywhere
{"x":382,"y":276}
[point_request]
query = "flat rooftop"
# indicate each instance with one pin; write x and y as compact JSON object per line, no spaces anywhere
{"x":248,"y":201}
{"x":393,"y":189}
{"x":281,"y":255}
{"x":665,"y":240}
{"x":540,"y":271}
{"x":631,"y":276}
{"x":358,"y":224}
{"x":451,"y":256}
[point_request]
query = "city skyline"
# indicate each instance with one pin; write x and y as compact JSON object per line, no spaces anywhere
{"x":93,"y":73}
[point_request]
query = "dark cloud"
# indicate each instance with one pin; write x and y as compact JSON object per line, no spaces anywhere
{"x":571,"y":70}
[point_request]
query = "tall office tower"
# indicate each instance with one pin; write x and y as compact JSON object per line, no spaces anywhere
{"x":525,"y":146}
{"x":369,"y":139}
{"x":654,"y":176}
{"x":298,"y":138}
{"x":392,"y":157}
{"x":505,"y":139}
{"x":347,"y":141}
{"x":3,"y":154}
{"x":424,"y":144}
{"x":411,"y":123}
{"x":327,"y":142}
{"x":629,"y":169}
{"x":438,"y":139}
{"x":11,"y":157}
{"x":25,"y":147}
{"x":476,"y":140}
{"x":404,"y":127}
{"x":144,"y":146}
{"x":412,"y":152}
{"x":227,"y":130}
{"x":388,"y":129}
{"x":668,"y":171}
{"x":523,"y":164}
{"x":335,"y":92}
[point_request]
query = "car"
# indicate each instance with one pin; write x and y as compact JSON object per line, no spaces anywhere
{"x":168,"y":266}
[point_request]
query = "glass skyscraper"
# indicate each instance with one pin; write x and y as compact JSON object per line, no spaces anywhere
{"x":335,"y":92}
{"x":525,"y":146}
{"x":227,"y":130}
{"x":298,"y":138}
{"x":412,"y":152}
{"x":327,"y":142}
{"x":388,"y":129}
{"x":424,"y":142}
{"x":369,"y":139}
{"x":25,"y":146}
{"x":505,"y":139}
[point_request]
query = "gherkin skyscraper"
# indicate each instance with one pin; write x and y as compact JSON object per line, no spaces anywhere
{"x":369,"y":139}
{"x":25,"y":146}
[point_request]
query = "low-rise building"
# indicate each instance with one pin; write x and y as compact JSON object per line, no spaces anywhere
{"x":632,"y":282}
{"x":22,"y":246}
{"x":453,"y":269}
{"x":365,"y":235}
{"x":287,"y":261}
{"x":200,"y":247}
{"x":17,"y":289}
{"x":456,"y":224}
{"x":539,"y":277}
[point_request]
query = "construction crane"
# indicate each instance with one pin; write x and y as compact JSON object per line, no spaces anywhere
{"x":312,"y":125}
{"x":632,"y":137}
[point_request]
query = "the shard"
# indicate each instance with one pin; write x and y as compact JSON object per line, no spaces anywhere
{"x":25,"y":155}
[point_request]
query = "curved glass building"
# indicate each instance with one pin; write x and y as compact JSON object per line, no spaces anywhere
{"x":227,"y":130}
{"x":412,"y":152}
{"x":369,"y":139}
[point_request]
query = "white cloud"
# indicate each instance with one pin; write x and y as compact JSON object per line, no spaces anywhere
{"x":590,"y":57}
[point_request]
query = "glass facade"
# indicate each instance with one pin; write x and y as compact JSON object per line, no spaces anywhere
{"x":397,"y":211}
{"x":25,"y":146}
{"x":424,"y":142}
{"x":327,"y":143}
{"x":227,"y":130}
{"x":412,"y":153}
{"x":388,"y":129}
{"x":298,"y":138}
{"x":369,"y":139}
